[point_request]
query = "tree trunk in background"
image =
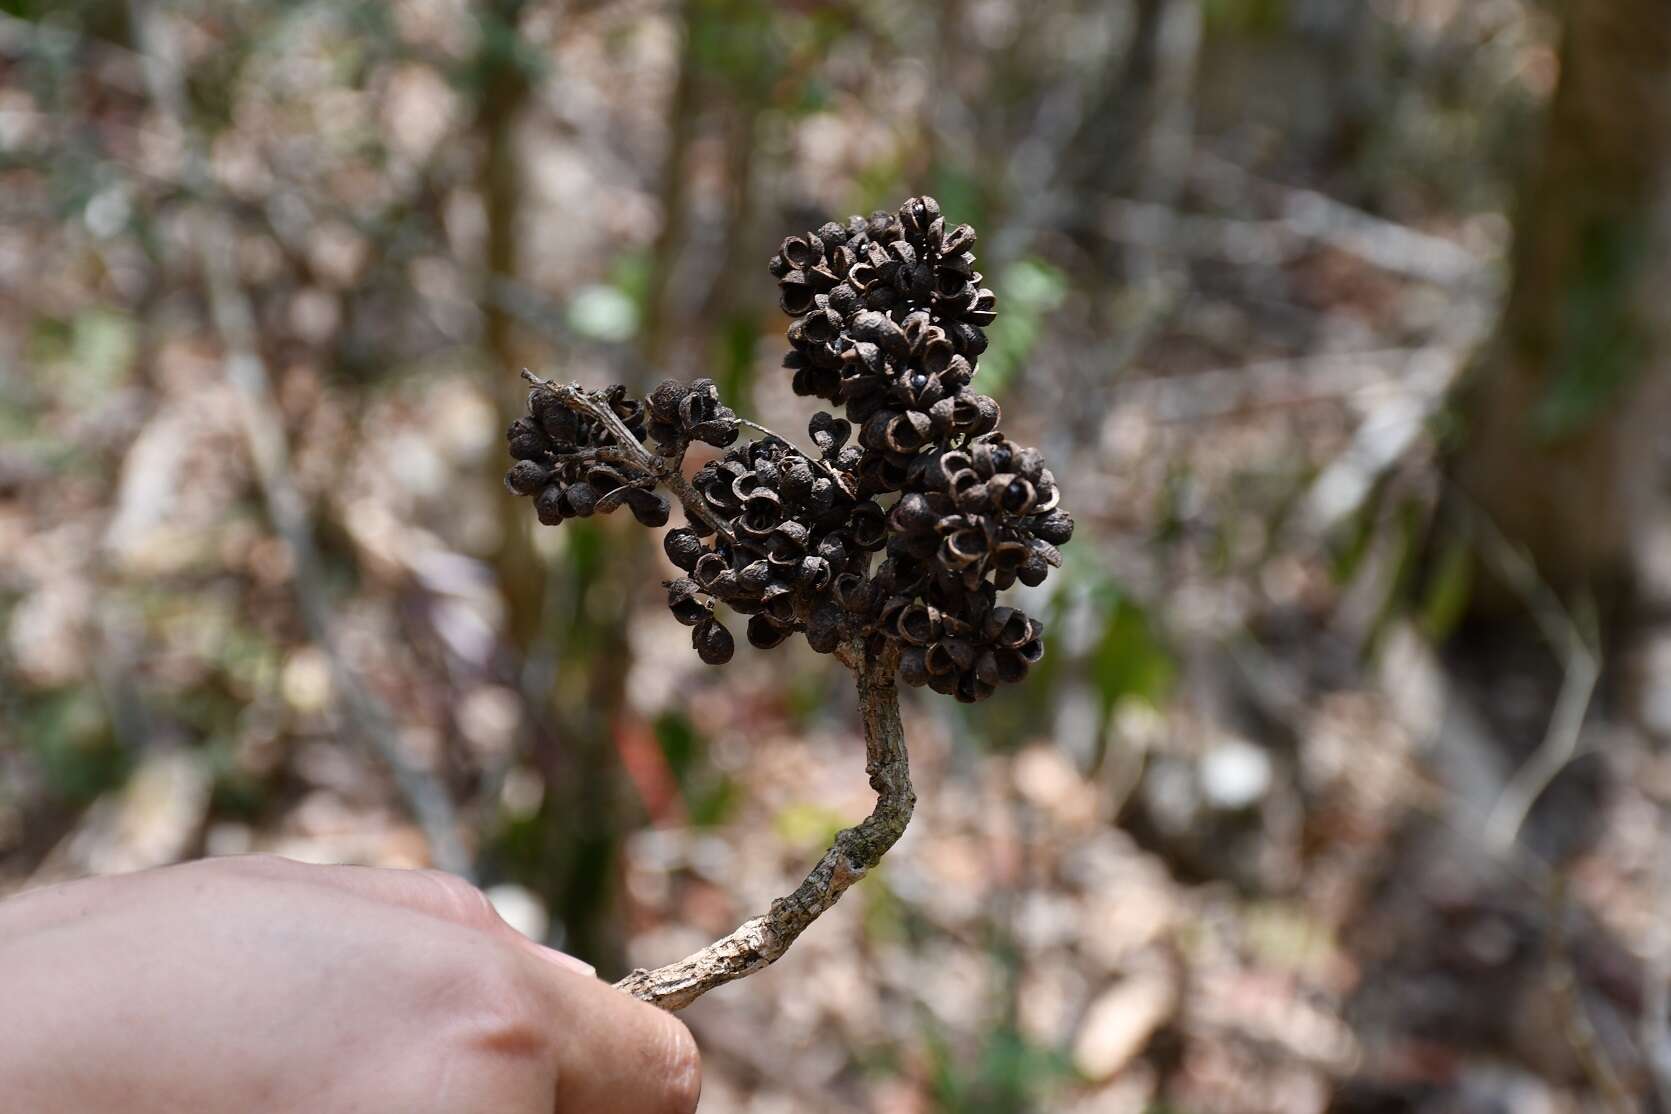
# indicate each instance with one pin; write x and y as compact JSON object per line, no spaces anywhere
{"x":1562,"y":413}
{"x":660,"y":317}
{"x":504,"y":92}
{"x":570,"y":728}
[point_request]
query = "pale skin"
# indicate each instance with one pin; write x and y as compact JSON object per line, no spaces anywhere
{"x":260,"y":984}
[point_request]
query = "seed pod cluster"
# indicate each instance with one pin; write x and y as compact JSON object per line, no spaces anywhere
{"x":974,"y":519}
{"x":985,"y":511}
{"x":551,"y":445}
{"x":680,"y":414}
{"x":888,"y":325}
{"x":790,"y":527}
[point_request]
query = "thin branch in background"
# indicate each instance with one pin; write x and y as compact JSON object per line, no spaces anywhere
{"x":761,"y":940}
{"x":1155,"y":97}
{"x":213,"y":242}
{"x":1505,"y":798}
{"x":1198,"y":396}
{"x":1559,"y":747}
{"x":1032,"y":170}
{"x":1383,"y":440}
{"x":1078,"y":134}
{"x":1314,"y":216}
{"x":1272,"y":242}
{"x":1581,"y":669}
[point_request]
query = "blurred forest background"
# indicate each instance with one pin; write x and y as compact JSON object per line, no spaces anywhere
{"x":1344,"y":785}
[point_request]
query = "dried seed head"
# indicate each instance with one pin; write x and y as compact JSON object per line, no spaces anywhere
{"x":888,"y":314}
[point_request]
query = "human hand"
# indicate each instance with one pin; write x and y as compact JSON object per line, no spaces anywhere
{"x":260,"y":984}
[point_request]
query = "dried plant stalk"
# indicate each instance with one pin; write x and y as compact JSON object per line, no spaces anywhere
{"x":758,"y":942}
{"x":889,"y":318}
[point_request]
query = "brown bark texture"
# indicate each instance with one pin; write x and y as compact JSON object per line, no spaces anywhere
{"x":760,"y":941}
{"x":1563,"y":409}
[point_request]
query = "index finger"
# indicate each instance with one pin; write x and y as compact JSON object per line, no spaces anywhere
{"x":617,"y":1054}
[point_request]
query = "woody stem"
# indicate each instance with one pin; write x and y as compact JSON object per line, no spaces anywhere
{"x":761,"y":940}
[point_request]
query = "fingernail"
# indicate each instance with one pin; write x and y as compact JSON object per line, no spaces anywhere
{"x":563,"y":959}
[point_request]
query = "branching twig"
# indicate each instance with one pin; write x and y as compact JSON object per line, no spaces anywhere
{"x":1376,"y":240}
{"x":632,"y":451}
{"x":1574,"y":644}
{"x":1560,"y":745}
{"x":756,"y":426}
{"x":761,"y":940}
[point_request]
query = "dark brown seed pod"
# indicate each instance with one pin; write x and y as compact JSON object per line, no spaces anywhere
{"x":708,"y":569}
{"x":581,"y":499}
{"x":764,"y":632}
{"x":1055,"y":527}
{"x":913,"y":668}
{"x":527,"y":477}
{"x":664,"y":400}
{"x":713,"y":642}
{"x":824,"y":627}
{"x":795,"y":293}
{"x":649,"y":508}
{"x":555,"y":420}
{"x":802,"y":252}
{"x":527,"y":441}
{"x":548,"y":505}
{"x":683,"y":547}
{"x":683,"y":599}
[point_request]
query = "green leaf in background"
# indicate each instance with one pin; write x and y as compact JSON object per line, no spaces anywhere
{"x":960,"y":194}
{"x":1008,"y":1074}
{"x":501,"y":50}
{"x":1599,"y":347}
{"x":237,"y":792}
{"x":603,"y":312}
{"x":734,"y":40}
{"x":1447,"y":589}
{"x":1407,"y":527}
{"x":806,"y":826}
{"x":877,"y":184}
{"x":69,"y":737}
{"x":679,"y":741}
{"x":806,"y":696}
{"x":92,"y":351}
{"x":1245,"y":17}
{"x":1129,"y":659}
{"x":886,"y":915}
{"x":733,"y":365}
{"x":709,"y":796}
{"x":613,"y":310}
{"x":1028,"y":290}
{"x":630,"y":273}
